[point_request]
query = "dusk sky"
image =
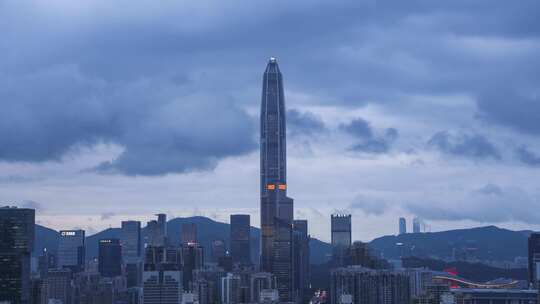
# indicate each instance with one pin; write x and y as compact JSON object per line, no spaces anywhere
{"x":116,"y":110}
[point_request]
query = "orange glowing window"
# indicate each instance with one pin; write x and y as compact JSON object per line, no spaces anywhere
{"x":282,"y":187}
{"x":271,"y":187}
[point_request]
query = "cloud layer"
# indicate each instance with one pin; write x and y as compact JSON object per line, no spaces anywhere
{"x":388,"y":100}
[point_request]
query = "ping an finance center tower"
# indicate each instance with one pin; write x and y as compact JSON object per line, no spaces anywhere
{"x":276,"y":207}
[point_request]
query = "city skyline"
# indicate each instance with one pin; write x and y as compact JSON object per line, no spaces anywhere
{"x":380,"y":126}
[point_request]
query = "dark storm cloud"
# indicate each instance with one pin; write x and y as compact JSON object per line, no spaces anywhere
{"x":473,"y":146}
{"x":163,"y":81}
{"x":511,"y":109}
{"x":162,"y":127}
{"x":528,"y":157}
{"x":304,"y":123}
{"x":366,"y":139}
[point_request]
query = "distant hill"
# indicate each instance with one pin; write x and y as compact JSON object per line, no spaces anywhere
{"x":207,"y":230}
{"x":488,"y":243}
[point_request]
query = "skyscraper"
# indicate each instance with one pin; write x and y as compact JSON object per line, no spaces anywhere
{"x":276,"y":207}
{"x":157,"y":231}
{"x":363,"y":285}
{"x":301,"y":259}
{"x":16,"y":244}
{"x":162,"y":286}
{"x":217,"y":250}
{"x":402,"y":225}
{"x":130,"y":239}
{"x":192,"y":259}
{"x":534,"y":258}
{"x":240,"y":238}
{"x":230,"y":289}
{"x":416,"y":225}
{"x":110,"y":258}
{"x":57,"y":287}
{"x":341,"y":237}
{"x":189,"y":233}
{"x":71,"y":250}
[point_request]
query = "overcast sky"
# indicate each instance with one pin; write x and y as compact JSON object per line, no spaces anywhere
{"x":114,"y":110}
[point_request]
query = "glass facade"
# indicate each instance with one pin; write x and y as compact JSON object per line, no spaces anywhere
{"x":276,"y":207}
{"x":16,"y":244}
{"x":71,"y":250}
{"x":240,"y":238}
{"x":110,"y":257}
{"x":341,"y":236}
{"x":130,"y":239}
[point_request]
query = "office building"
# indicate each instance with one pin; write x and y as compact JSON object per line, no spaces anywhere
{"x":301,"y":260}
{"x":402,"y":225}
{"x":368,"y":286}
{"x":157,"y":231}
{"x":341,"y":237}
{"x":46,"y":261}
{"x":240,"y":238}
{"x":416,"y":225}
{"x":162,"y":287}
{"x":57,"y":287}
{"x":276,"y":207}
{"x":230,"y":289}
{"x":534,"y":258}
{"x":258,"y":282}
{"x":218,"y":250}
{"x":130,"y":239}
{"x":189,"y":233}
{"x":110,"y":258}
{"x":207,"y":284}
{"x":71,"y":250}
{"x":16,"y":245}
{"x":192,"y":259}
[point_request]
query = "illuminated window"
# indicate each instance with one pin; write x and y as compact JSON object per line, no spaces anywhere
{"x":271,"y":187}
{"x":282,"y":187}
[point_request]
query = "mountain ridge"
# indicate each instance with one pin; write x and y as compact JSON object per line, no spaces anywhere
{"x":492,"y":243}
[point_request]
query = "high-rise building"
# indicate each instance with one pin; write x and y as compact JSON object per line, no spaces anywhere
{"x":341,"y":237}
{"x":46,"y":261}
{"x":276,"y":207}
{"x":189,"y":233}
{"x":301,"y":260}
{"x":402,"y":225}
{"x":162,"y":287}
{"x":162,"y":226}
{"x":534,"y":258}
{"x":71,"y":250}
{"x":240,"y":238}
{"x":218,"y":250}
{"x":258,"y":282}
{"x":416,"y":225}
{"x":130,"y":239}
{"x":110,"y":258}
{"x":157,"y":231}
{"x":192,"y":259}
{"x":362,"y":285}
{"x":230,"y":289}
{"x":16,"y":245}
{"x":57,"y":287}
